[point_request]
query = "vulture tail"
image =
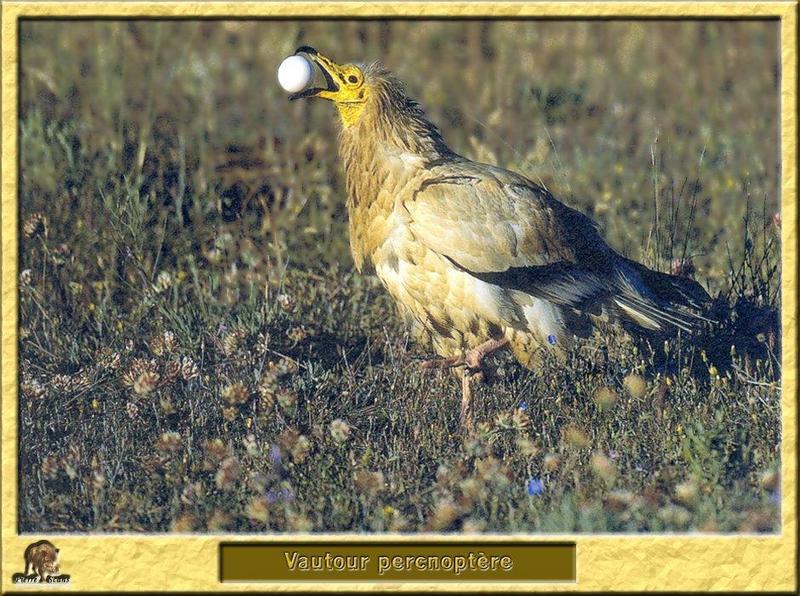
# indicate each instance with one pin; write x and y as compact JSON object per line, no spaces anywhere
{"x":670,"y":299}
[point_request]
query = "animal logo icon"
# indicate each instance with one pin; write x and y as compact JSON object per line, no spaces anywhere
{"x":41,"y":565}
{"x":42,"y":558}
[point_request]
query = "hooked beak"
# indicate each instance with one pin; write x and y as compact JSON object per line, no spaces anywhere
{"x":330,"y":71}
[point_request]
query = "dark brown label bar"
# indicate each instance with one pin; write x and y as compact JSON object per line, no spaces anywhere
{"x":398,"y":561}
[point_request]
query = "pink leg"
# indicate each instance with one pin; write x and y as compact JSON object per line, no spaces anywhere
{"x":474,"y":357}
{"x":466,"y":401}
{"x":453,"y":362}
{"x":472,"y":361}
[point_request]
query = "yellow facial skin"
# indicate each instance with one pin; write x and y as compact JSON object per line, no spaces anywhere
{"x":346,"y":88}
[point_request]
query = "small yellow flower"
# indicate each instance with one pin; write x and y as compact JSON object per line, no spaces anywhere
{"x":233,"y":341}
{"x":297,"y":334}
{"x":219,"y":521}
{"x":300,"y":449}
{"x":527,"y":447}
{"x":258,"y":510}
{"x":286,"y":399}
{"x":235,"y":394}
{"x":551,"y":462}
{"x":603,"y":467}
{"x":339,"y":430}
{"x":445,"y":512}
{"x":369,"y":483}
{"x":214,"y":452}
{"x":172,"y":370}
{"x":686,"y":492}
{"x":618,"y":500}
{"x":576,"y":437}
{"x":189,"y":370}
{"x":35,"y":224}
{"x":146,"y":382}
{"x":163,"y":344}
{"x":770,"y":480}
{"x":50,"y":467}
{"x":166,"y":405}
{"x":228,"y":473}
{"x":299,"y":522}
{"x":635,"y":385}
{"x":185,"y":522}
{"x":605,"y":398}
{"x":169,"y":442}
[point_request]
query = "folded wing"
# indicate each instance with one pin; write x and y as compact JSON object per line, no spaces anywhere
{"x":505,"y":230}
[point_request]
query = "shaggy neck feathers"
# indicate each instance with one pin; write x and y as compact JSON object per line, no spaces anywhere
{"x":389,"y":125}
{"x":390,"y":118}
{"x":382,"y":151}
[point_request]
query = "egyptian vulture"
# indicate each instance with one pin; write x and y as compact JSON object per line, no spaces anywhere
{"x":477,"y":257}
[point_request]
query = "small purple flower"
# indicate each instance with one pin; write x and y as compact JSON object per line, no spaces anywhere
{"x":274,"y":454}
{"x":280,"y":495}
{"x":535,"y":487}
{"x":551,"y":339}
{"x":775,"y":497}
{"x":613,"y":454}
{"x":523,"y":405}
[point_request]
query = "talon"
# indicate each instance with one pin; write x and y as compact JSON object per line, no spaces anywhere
{"x":472,"y":361}
{"x":470,"y":371}
{"x":443,"y":363}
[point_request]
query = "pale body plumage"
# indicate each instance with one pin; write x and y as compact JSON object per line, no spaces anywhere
{"x":410,"y":238}
{"x":472,"y":252}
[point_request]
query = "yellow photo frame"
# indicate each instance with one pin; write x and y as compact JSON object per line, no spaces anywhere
{"x":132,"y":562}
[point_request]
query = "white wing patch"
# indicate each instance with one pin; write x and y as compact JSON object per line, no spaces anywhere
{"x":544,"y":320}
{"x":488,"y":298}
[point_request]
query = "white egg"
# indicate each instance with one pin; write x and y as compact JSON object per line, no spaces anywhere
{"x":294,"y":73}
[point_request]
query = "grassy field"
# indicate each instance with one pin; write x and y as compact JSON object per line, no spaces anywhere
{"x":198,"y":354}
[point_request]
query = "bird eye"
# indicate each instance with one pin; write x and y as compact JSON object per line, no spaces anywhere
{"x":353,"y":79}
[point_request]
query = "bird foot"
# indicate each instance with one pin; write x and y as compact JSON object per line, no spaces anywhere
{"x":472,"y":361}
{"x":453,"y":362}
